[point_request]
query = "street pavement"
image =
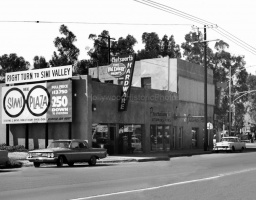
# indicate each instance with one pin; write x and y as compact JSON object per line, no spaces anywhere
{"x":136,"y":157}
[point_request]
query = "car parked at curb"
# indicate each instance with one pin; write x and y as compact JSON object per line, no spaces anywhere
{"x":229,"y":144}
{"x":66,"y":152}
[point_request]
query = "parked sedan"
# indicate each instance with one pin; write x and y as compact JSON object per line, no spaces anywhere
{"x":66,"y":151}
{"x":229,"y":144}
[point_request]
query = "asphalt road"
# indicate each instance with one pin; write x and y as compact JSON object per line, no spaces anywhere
{"x":212,"y":176}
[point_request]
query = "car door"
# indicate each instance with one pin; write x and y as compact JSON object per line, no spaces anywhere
{"x":85,"y":152}
{"x":75,"y":154}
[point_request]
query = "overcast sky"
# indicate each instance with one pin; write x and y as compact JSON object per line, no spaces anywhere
{"x":119,"y":17}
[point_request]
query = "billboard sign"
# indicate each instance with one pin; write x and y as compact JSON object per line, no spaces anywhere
{"x":53,"y":73}
{"x":128,"y":61}
{"x":37,"y":103}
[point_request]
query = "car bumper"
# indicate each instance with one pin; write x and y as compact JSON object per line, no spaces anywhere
{"x":43,"y":159}
{"x":222,"y":149}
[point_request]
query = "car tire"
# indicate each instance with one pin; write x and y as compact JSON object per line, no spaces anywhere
{"x":60,"y":161}
{"x":92,"y":161}
{"x":70,"y":164}
{"x":233,"y":149}
{"x":36,"y":164}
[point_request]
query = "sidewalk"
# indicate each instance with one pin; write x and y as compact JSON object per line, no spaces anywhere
{"x":136,"y":157}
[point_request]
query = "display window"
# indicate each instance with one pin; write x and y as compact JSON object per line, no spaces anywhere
{"x":130,"y":139}
{"x":160,"y":137}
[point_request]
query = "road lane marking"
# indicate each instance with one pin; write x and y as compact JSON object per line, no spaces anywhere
{"x":167,"y":185}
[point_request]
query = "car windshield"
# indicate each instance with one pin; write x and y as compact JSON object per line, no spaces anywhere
{"x":228,"y":139}
{"x":59,"y":144}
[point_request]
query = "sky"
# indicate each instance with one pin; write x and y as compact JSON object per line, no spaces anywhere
{"x":21,"y":35}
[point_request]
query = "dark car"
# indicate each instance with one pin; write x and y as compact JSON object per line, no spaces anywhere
{"x":66,"y":151}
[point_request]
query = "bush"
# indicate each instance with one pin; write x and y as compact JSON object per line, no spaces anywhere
{"x":17,"y":148}
{"x":13,"y":164}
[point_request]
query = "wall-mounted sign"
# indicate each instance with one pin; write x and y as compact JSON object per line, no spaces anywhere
{"x":116,"y":69}
{"x":37,"y":103}
{"x":160,"y":116}
{"x":128,"y":61}
{"x":63,"y":72}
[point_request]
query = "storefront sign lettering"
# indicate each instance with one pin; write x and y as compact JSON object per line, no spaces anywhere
{"x":128,"y":61}
{"x":116,"y":69}
{"x":160,"y":116}
{"x":63,"y":72}
{"x":37,"y":103}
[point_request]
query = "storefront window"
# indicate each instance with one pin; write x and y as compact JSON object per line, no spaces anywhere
{"x":103,"y":136}
{"x":180,"y":137}
{"x":160,"y":137}
{"x":194,"y":136}
{"x":130,"y":139}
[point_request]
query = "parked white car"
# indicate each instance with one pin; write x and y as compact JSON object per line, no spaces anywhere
{"x":136,"y":144}
{"x":229,"y":144}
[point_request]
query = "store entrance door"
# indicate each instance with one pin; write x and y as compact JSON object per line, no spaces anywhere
{"x":160,"y":137}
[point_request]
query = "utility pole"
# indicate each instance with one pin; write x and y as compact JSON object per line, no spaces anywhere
{"x":205,"y":87}
{"x":109,"y":38}
{"x":205,"y":93}
{"x":229,"y":89}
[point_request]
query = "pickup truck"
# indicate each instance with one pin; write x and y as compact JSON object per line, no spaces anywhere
{"x":229,"y":144}
{"x":66,"y":152}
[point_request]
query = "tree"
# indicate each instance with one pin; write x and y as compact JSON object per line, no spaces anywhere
{"x":99,"y":52}
{"x":220,"y":62}
{"x":12,"y":63}
{"x":168,"y":47}
{"x":67,"y":52}
{"x":40,"y":62}
{"x":154,"y":47}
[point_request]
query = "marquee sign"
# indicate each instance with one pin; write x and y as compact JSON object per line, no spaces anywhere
{"x":128,"y":61}
{"x":63,"y":72}
{"x":37,"y":103}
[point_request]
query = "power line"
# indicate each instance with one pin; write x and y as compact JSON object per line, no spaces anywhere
{"x":170,"y":11}
{"x":178,"y":11}
{"x":93,"y":23}
{"x":220,"y":30}
{"x":234,"y":41}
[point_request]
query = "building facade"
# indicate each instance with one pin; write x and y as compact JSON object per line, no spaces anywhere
{"x":165,"y":111}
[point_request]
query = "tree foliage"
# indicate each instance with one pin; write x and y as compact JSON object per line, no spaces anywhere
{"x":40,"y":62}
{"x":156,"y":47}
{"x":220,"y":61}
{"x":67,"y":52}
{"x":99,"y":52}
{"x":12,"y":63}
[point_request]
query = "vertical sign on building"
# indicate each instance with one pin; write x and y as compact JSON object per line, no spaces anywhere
{"x":128,"y":61}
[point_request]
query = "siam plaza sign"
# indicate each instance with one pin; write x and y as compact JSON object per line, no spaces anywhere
{"x":63,"y":72}
{"x":128,"y":61}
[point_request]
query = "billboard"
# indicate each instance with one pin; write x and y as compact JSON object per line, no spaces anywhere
{"x":37,"y":103}
{"x":53,"y":73}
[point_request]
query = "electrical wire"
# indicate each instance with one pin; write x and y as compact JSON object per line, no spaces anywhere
{"x":178,"y":11}
{"x":218,"y":30}
{"x":234,"y":41}
{"x":170,"y":11}
{"x":94,"y":23}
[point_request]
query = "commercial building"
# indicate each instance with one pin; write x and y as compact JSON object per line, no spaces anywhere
{"x":164,"y":112}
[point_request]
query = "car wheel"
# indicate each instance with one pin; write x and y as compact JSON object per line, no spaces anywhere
{"x":70,"y":164}
{"x":233,"y":149}
{"x":36,"y":164}
{"x":92,"y":161}
{"x":60,"y":161}
{"x":242,"y":149}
